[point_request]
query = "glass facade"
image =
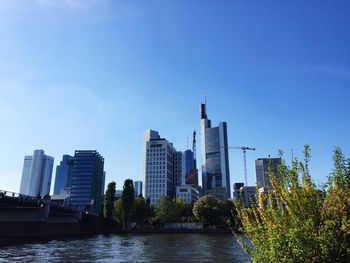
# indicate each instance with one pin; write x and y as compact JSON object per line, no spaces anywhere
{"x":87,"y":181}
{"x":261,"y":170}
{"x":64,"y":174}
{"x":37,"y":174}
{"x":24,"y":189}
{"x":138,"y":188}
{"x":214,"y":153}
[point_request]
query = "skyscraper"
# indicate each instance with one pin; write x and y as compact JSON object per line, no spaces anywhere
{"x":261,"y":166}
{"x":138,"y":188}
{"x":191,"y":171}
{"x":64,"y":174}
{"x":179,"y":168}
{"x":87,"y":181}
{"x":36,"y":174}
{"x":159,"y":171}
{"x":214,"y":153}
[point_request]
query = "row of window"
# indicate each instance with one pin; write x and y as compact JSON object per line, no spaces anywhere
{"x":156,"y":163}
{"x":158,"y":167}
{"x":153,"y":191}
{"x":156,"y":150}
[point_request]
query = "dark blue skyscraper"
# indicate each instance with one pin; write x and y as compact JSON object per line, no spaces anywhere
{"x":87,"y":181}
{"x":191,"y":172}
{"x":64,"y":173}
{"x":189,"y":163}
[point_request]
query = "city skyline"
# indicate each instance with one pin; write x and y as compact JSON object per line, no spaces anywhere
{"x":95,"y":75}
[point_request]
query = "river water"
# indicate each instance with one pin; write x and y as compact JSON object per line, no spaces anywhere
{"x":129,"y":248}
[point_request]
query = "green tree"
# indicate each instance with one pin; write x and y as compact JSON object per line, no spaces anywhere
{"x":109,"y":202}
{"x":210,"y":210}
{"x":165,"y":210}
{"x":295,"y":221}
{"x":118,"y":211}
{"x":127,"y":201}
{"x":140,"y":211}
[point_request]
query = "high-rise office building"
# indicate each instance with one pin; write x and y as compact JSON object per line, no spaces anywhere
{"x":214,"y":153}
{"x":64,"y":174}
{"x":179,"y":168}
{"x":87,"y":181}
{"x":261,"y":166}
{"x":36,"y":174}
{"x":191,"y":171}
{"x":159,"y":175}
{"x":138,"y":188}
{"x":244,"y":194}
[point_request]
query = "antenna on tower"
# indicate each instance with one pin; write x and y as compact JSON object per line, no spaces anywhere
{"x":187,"y":142}
{"x":205,"y":96}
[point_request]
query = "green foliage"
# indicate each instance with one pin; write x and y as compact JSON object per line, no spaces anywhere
{"x":118,"y":211}
{"x":141,"y":211}
{"x":109,"y":202}
{"x":210,"y":210}
{"x":165,"y":210}
{"x":169,"y":210}
{"x":295,"y":221}
{"x":127,"y":201}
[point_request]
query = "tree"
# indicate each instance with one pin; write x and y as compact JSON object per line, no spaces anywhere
{"x":210,"y":210}
{"x":109,"y":203}
{"x":165,"y":210}
{"x":140,"y":211}
{"x":127,"y":200}
{"x":118,"y":211}
{"x":297,"y":222}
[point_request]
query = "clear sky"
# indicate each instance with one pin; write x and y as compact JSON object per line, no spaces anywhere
{"x":94,"y":74}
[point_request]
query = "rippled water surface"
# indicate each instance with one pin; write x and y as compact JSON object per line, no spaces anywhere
{"x":129,"y":248}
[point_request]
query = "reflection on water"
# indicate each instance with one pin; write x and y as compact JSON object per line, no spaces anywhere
{"x":130,"y":248}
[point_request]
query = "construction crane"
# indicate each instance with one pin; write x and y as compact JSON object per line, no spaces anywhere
{"x":244,"y":149}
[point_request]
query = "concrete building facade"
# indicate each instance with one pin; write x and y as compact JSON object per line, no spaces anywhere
{"x":188,"y":193}
{"x":162,"y":167}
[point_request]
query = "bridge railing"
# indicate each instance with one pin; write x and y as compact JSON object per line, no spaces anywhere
{"x":9,"y":193}
{"x":20,"y":197}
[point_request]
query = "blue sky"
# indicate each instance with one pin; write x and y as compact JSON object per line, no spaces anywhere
{"x":94,"y":74}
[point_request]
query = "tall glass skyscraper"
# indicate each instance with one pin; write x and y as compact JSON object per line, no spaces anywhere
{"x":261,"y":166}
{"x":87,"y":181}
{"x":64,"y":174}
{"x":138,"y":188}
{"x":36,"y":174}
{"x":214,"y":153}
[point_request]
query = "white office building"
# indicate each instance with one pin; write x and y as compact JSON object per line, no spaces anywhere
{"x":162,"y":167}
{"x":36,"y":174}
{"x":188,"y":193}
